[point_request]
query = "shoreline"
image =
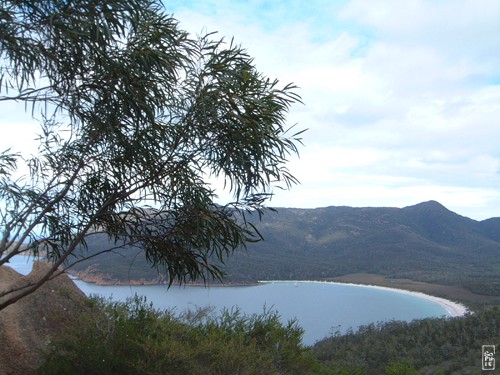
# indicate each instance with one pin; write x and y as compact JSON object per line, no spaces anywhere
{"x":100,"y":281}
{"x":454,"y":309}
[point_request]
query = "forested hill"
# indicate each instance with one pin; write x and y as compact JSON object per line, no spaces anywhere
{"x":424,"y":242}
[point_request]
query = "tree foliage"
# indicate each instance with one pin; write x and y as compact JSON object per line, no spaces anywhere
{"x":135,"y":116}
{"x":431,"y":346}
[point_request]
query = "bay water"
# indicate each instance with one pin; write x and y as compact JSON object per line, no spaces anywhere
{"x":320,"y":308}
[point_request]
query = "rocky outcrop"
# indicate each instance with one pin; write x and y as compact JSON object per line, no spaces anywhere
{"x":27,"y":326}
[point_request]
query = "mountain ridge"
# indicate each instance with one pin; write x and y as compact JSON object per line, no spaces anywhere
{"x":424,"y":242}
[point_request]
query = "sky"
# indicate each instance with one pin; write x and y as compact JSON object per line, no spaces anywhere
{"x":401,"y":98}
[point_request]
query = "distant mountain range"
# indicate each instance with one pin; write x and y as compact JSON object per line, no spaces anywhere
{"x":424,"y":242}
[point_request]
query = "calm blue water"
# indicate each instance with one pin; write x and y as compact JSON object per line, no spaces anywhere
{"x":320,"y":308}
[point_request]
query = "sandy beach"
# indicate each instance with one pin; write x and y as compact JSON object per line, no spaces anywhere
{"x":454,"y":309}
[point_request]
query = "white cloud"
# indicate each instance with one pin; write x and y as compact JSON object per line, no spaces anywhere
{"x":402,"y":98}
{"x":402,"y":104}
{"x":19,"y":130}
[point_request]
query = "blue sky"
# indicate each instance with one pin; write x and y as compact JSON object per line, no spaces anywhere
{"x":402,"y":98}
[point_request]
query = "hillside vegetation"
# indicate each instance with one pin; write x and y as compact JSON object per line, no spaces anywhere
{"x":419,"y":246}
{"x":429,"y":346}
{"x":133,"y":338}
{"x":425,"y":243}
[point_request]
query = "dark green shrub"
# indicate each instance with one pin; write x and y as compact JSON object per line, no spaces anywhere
{"x":134,"y":338}
{"x":401,"y":368}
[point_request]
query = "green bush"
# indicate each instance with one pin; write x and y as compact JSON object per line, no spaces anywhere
{"x":134,"y":338}
{"x":401,"y":368}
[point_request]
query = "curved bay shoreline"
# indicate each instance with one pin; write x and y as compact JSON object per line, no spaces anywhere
{"x":455,"y":309}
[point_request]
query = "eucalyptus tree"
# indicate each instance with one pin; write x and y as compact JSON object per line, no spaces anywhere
{"x":135,"y":115}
